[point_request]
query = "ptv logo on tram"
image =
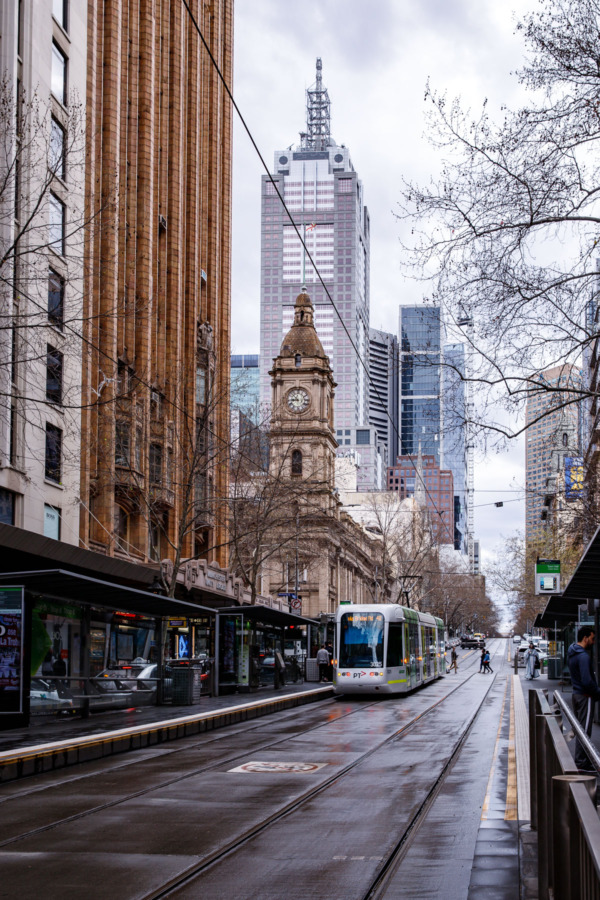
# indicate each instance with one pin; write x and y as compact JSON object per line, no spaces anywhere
{"x":359,"y":674}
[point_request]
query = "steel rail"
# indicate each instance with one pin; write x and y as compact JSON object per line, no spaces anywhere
{"x":187,"y":877}
{"x":580,"y":734}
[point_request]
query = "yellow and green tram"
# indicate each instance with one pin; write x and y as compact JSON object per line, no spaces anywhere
{"x":386,"y":649}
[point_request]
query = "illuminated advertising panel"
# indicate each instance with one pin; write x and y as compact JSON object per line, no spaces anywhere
{"x":11,"y":650}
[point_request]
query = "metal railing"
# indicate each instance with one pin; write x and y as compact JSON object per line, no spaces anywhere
{"x":563,"y":805}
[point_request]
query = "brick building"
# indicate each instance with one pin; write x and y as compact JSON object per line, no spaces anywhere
{"x":421,"y":477}
{"x":157,"y":324}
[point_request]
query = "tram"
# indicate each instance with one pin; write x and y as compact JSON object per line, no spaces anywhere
{"x":386,"y":649}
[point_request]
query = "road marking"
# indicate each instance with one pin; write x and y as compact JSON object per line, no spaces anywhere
{"x":279,"y":768}
{"x":486,"y":802}
{"x":511,"y":782}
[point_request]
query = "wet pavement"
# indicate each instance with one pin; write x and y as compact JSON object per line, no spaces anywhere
{"x":306,"y":803}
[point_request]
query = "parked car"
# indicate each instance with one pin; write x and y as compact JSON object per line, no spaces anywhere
{"x":44,"y":697}
{"x":471,"y":640}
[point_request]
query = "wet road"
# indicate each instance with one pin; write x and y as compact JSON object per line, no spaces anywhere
{"x":344,"y":799}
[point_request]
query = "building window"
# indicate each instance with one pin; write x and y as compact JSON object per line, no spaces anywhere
{"x":565,"y":439}
{"x":56,"y":298}
{"x":52,"y":517}
{"x":57,"y":225}
{"x":155,"y":464}
{"x":59,"y":75}
{"x":363,"y":436}
{"x":60,"y":11}
{"x":139,"y":440}
{"x":53,"y":457}
{"x":57,"y":156}
{"x":200,"y":385}
{"x":122,"y":447}
{"x":7,"y":507}
{"x":54,"y":375}
{"x":121,"y":524}
{"x":296,"y":462}
{"x":298,"y":360}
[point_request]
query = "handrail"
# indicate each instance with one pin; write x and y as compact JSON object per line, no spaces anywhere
{"x":580,"y":734}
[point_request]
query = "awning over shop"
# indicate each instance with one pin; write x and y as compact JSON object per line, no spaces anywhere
{"x":584,"y":585}
{"x":266,"y":615}
{"x":65,"y":585}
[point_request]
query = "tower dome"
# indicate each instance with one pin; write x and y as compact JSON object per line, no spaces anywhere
{"x":302,"y":337}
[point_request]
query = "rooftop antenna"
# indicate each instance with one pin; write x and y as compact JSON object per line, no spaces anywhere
{"x":318,"y":115}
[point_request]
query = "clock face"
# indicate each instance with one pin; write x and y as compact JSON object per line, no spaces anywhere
{"x":298,"y":400}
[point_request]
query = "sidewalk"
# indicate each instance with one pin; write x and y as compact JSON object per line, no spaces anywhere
{"x":58,"y":742}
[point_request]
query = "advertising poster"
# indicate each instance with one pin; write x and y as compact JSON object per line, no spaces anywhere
{"x":573,"y":477}
{"x":11,"y":650}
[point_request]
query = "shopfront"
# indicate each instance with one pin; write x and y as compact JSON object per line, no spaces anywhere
{"x":91,"y":645}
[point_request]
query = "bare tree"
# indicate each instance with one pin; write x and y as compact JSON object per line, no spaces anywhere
{"x":507,"y":235}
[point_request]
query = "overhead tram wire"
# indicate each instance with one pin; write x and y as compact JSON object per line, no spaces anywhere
{"x":307,"y":251}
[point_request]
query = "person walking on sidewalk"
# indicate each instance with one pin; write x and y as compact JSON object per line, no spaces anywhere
{"x":453,"y":664}
{"x":532,"y":663}
{"x":323,"y":663}
{"x":585,"y":689}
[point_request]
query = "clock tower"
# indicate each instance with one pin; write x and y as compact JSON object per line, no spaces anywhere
{"x":302,"y":440}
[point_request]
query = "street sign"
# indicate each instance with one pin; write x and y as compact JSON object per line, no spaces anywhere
{"x":547,"y":576}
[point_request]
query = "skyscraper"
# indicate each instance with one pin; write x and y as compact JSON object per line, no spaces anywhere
{"x":420,"y":336}
{"x":552,"y":434}
{"x":325,"y":198}
{"x":454,"y":438}
{"x":383,"y":391}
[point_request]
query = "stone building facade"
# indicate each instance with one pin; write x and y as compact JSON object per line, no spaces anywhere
{"x":333,"y":555}
{"x":157,"y":318}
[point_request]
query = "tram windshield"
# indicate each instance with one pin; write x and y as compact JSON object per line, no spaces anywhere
{"x":361,"y":640}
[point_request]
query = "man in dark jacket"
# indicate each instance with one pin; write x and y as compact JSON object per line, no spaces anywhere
{"x":585,"y":689}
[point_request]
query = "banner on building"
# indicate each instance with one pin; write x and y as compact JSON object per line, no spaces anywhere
{"x":573,"y":477}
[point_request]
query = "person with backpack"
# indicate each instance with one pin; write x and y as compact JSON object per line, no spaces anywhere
{"x":486,"y":662}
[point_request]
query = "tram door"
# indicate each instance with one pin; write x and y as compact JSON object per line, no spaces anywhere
{"x":415,"y":665}
{"x":395,"y":656}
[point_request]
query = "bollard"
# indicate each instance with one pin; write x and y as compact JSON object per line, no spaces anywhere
{"x":565,"y":835}
{"x":516,"y":663}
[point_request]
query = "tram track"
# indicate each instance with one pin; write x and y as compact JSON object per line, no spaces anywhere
{"x":186,"y":878}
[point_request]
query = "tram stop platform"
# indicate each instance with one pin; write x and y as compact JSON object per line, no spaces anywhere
{"x":55,"y":742}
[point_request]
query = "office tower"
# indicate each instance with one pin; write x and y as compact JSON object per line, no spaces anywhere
{"x":245,"y":384}
{"x":325,"y":198}
{"x":420,"y":476}
{"x":383,"y":391}
{"x":42,"y":218}
{"x":552,"y":434}
{"x":158,"y":294}
{"x":454,"y":438}
{"x":476,"y":558}
{"x":420,"y":337}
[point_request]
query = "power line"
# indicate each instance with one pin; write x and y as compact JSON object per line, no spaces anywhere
{"x":306,"y":250}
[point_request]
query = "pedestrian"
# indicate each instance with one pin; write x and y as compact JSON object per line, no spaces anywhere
{"x":482,"y":662}
{"x":585,"y":690}
{"x":532,"y":662}
{"x":486,"y":662}
{"x":453,"y":664}
{"x":323,"y":663}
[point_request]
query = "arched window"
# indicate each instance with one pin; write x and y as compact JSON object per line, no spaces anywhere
{"x":565,"y":439}
{"x":298,"y":360}
{"x":296,"y":462}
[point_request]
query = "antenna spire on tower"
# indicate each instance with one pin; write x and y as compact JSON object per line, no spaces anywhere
{"x":318,"y":115}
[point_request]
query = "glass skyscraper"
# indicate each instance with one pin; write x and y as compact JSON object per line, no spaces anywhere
{"x":383,"y":391}
{"x":454,"y":437}
{"x":420,"y":337}
{"x":324,"y":195}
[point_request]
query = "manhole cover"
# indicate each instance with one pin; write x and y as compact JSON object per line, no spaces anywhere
{"x":280,"y":768}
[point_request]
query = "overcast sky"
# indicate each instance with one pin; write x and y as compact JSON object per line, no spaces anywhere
{"x":377,"y":57}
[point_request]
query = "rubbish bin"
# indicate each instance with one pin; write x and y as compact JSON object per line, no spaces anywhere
{"x":554,"y":667}
{"x":183,"y":685}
